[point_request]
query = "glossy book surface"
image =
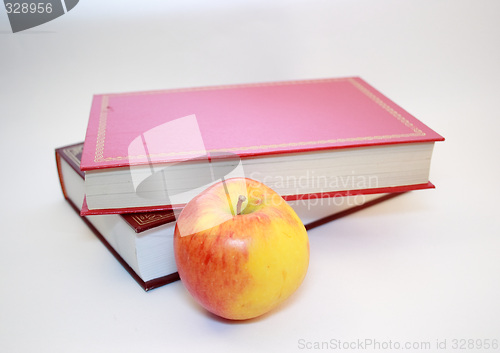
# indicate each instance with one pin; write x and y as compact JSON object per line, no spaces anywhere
{"x":245,"y":120}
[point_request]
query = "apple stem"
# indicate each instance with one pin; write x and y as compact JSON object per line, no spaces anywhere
{"x":241,"y":199}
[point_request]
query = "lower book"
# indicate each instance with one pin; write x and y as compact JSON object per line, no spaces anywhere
{"x":143,"y":242}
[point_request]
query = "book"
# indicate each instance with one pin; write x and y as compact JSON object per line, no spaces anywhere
{"x":143,"y":242}
{"x":155,"y":150}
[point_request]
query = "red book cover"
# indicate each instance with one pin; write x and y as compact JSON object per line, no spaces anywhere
{"x":140,"y":222}
{"x":250,"y":123}
{"x":247,"y":120}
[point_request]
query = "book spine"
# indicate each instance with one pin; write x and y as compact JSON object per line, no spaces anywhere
{"x":59,"y":172}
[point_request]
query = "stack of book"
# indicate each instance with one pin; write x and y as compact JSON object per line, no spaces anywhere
{"x":330,"y":147}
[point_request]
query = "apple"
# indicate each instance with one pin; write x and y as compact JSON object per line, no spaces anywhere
{"x":240,"y":249}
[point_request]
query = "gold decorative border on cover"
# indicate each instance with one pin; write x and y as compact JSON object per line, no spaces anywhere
{"x":101,"y":130}
{"x":101,"y":135}
{"x":148,"y":218}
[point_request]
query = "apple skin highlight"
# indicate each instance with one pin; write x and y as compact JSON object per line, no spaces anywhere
{"x":240,"y":266}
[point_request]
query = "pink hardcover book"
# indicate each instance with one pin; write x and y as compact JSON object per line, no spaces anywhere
{"x":293,"y":136}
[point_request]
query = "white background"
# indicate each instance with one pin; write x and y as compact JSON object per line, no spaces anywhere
{"x":422,"y":267}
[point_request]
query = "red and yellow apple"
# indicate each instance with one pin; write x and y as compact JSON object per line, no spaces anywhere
{"x":240,"y":249}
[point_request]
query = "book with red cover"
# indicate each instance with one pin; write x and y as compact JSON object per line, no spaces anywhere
{"x":143,"y":243}
{"x":119,"y":232}
{"x":288,"y":135}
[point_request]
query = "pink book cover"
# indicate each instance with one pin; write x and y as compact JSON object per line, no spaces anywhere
{"x":246,"y":120}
